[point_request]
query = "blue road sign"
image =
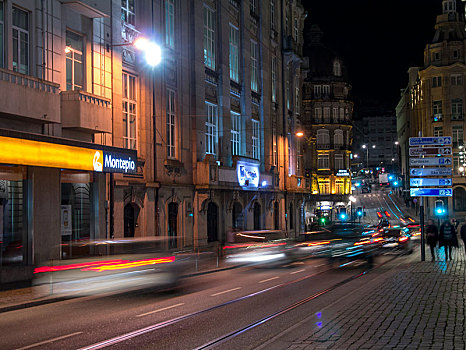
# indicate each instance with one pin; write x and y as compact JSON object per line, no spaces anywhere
{"x":430,"y":161}
{"x":419,"y":182}
{"x":430,"y":141}
{"x":430,"y":171}
{"x":431,"y":192}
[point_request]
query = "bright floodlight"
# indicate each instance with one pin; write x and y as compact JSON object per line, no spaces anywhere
{"x":152,"y":51}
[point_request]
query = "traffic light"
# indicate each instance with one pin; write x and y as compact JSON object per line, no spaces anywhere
{"x":439,"y":208}
{"x":359,"y":212}
{"x":323,"y":220}
{"x":342,"y":214}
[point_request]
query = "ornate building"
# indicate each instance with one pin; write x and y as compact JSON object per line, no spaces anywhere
{"x":326,"y":122}
{"x":433,"y":103}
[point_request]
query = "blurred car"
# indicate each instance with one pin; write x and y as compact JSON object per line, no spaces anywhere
{"x":100,"y":266}
{"x":396,"y":239}
{"x":366,"y":189}
{"x":345,"y":241}
{"x":383,"y":223}
{"x":265,"y":248}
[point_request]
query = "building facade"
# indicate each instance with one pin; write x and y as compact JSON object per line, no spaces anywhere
{"x":327,"y":125}
{"x":198,"y":145}
{"x":434,"y":100}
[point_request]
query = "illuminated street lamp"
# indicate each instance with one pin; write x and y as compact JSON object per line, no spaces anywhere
{"x":366,"y":147}
{"x":299,"y":134}
{"x":152,"y":51}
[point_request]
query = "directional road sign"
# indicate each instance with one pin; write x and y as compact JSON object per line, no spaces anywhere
{"x":430,"y":151}
{"x":430,"y":141}
{"x":430,"y":171}
{"x":419,"y":182}
{"x":431,"y":192}
{"x":430,"y":161}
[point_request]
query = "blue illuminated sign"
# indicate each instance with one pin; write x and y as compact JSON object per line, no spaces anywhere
{"x":248,"y":174}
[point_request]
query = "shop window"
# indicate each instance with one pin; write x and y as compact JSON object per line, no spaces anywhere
{"x":12,"y":218}
{"x":76,"y":211}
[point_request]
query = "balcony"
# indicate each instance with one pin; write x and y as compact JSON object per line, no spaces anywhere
{"x":28,"y":97}
{"x":86,"y":112}
{"x":296,"y":183}
{"x":457,"y":117}
{"x":323,"y":146}
{"x":207,"y":173}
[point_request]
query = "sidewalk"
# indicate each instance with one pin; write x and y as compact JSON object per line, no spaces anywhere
{"x":422,"y":306}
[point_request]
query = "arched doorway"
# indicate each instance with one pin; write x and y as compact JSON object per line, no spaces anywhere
{"x":172,"y":224}
{"x":212,"y":222}
{"x":459,"y":199}
{"x":131,"y":212}
{"x":237,"y":216}
{"x":257,"y":216}
{"x":276,"y":216}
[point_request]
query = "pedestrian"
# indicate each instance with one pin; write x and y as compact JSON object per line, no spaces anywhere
{"x":432,"y":237}
{"x":463,"y":235}
{"x":447,"y":238}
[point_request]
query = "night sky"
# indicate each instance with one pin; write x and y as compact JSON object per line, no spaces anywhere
{"x":378,"y":40}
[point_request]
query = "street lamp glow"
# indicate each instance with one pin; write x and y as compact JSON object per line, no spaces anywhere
{"x":397,"y":143}
{"x":300,"y":134}
{"x":352,"y":199}
{"x":152,"y":51}
{"x":461,"y":169}
{"x":364,"y":146}
{"x":355,"y":156}
{"x":373,"y":146}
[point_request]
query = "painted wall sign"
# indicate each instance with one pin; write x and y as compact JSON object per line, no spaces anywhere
{"x":248,"y":174}
{"x":45,"y":154}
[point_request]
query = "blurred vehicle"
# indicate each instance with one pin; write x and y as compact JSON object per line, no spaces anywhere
{"x":366,"y":189}
{"x":383,"y":223}
{"x":101,"y":266}
{"x":396,"y":240}
{"x":266,"y":248}
{"x":12,"y":253}
{"x":341,"y":242}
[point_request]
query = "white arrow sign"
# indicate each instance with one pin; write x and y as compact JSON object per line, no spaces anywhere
{"x":430,"y":171}
{"x":419,"y":182}
{"x":430,"y":161}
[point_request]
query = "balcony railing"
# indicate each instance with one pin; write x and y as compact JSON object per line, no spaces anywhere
{"x":457,"y":117}
{"x":323,"y":146}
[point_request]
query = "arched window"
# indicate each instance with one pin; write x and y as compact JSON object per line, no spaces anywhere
{"x":459,"y":199}
{"x":337,"y":69}
{"x":338,"y":137}
{"x":323,"y":137}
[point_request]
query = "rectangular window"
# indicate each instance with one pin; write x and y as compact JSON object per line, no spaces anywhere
{"x":339,"y":162}
{"x":438,"y":131}
{"x":253,"y":6}
{"x":317,"y":91}
{"x":456,"y":79}
{"x":209,"y":38}
{"x":287,"y":86}
{"x":235,"y":134}
{"x":74,"y":61}
{"x":254,"y":67}
{"x":437,"y":109}
{"x":340,"y":187}
{"x":326,"y":114}
{"x":436,"y":82}
{"x":255,"y":139}
{"x":290,"y":168}
{"x":342,"y":114}
{"x":211,"y":133}
{"x":326,"y":90}
{"x":171,"y":124}
{"x":457,"y":109}
{"x":272,"y":15}
{"x":275,"y":145}
{"x":457,"y":135}
{"x":335,"y":114}
{"x":318,"y":114}
{"x":129,"y":110}
{"x":234,"y":53}
{"x":2,"y":23}
{"x":436,"y":56}
{"x":323,"y":161}
{"x":274,"y":79}
{"x":324,"y":187}
{"x":127,"y":12}
{"x":295,"y":30}
{"x":20,"y":29}
{"x":456,"y":163}
{"x":170,"y":23}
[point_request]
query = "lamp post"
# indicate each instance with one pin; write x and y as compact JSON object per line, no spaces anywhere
{"x":366,"y":147}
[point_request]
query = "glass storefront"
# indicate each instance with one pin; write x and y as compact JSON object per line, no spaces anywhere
{"x":77,"y":215}
{"x":13,"y":228}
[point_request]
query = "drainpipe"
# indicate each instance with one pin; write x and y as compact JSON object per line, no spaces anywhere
{"x":285,"y":112}
{"x":154,"y":132}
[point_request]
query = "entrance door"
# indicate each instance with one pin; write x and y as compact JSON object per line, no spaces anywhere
{"x":237,"y":216}
{"x":172,"y":224}
{"x":130,"y":220}
{"x":212,"y":222}
{"x":276,"y":216}
{"x":257,"y":216}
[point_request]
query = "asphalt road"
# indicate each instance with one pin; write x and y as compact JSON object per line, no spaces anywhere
{"x":242,"y":308}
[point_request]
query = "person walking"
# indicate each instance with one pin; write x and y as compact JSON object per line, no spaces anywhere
{"x":463,"y":235}
{"x":432,"y":237}
{"x":447,"y":238}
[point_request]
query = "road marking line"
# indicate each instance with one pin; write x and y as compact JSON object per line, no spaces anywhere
{"x":269,"y":279}
{"x":159,"y":310}
{"x":292,"y":273}
{"x":49,"y":341}
{"x":225,"y":291}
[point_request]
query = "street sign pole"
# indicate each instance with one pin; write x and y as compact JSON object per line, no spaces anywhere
{"x":421,"y":222}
